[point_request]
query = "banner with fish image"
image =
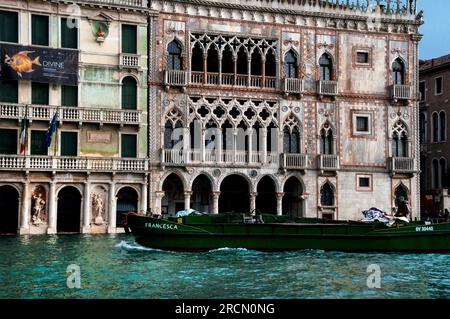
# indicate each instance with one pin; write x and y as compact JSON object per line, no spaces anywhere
{"x":38,"y":64}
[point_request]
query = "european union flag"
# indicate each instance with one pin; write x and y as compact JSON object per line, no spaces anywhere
{"x":51,"y":130}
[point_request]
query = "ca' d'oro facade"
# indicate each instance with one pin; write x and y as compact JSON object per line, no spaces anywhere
{"x":96,"y":167}
{"x":335,"y":85}
{"x":325,"y":94}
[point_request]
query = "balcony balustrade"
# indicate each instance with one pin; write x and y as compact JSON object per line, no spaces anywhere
{"x":400,"y":92}
{"x":124,"y":3}
{"x":328,"y":162}
{"x":178,"y":157}
{"x":128,"y":60}
{"x":70,"y":114}
{"x":175,"y":78}
{"x":294,"y":161}
{"x":293,"y":86}
{"x":226,"y":79}
{"x":403,"y":165}
{"x":327,"y":88}
{"x":72,"y":164}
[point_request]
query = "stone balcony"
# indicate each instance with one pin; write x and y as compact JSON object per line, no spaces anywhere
{"x":327,"y":88}
{"x":294,"y":161}
{"x":121,"y":3}
{"x":178,"y":157}
{"x":328,"y":162}
{"x":175,"y":78}
{"x":401,"y":165}
{"x":400,"y":92}
{"x":72,"y":164}
{"x":128,"y":60}
{"x":70,"y":114}
{"x":293,"y":86}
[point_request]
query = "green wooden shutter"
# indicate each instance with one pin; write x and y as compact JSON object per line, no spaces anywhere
{"x":69,"y":143}
{"x":69,"y":36}
{"x":129,"y":145}
{"x":8,"y":141}
{"x":39,"y":93}
{"x":9,"y":91}
{"x":129,"y":39}
{"x":9,"y":26}
{"x":129,"y":94}
{"x":69,"y":95}
{"x":38,"y":145}
{"x":39,"y":30}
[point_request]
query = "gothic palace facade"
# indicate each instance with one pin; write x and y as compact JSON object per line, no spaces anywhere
{"x":296,"y":107}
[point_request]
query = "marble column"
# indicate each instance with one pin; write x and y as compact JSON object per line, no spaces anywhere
{"x":279,"y":203}
{"x":215,"y":198}
{"x":86,"y":209}
{"x":52,"y":212}
{"x":25,"y":212}
{"x":144,"y":200}
{"x":253,"y":202}
{"x":187,"y":200}
{"x":112,"y":214}
{"x":158,"y":198}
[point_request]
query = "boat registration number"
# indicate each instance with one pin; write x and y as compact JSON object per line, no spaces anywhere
{"x":424,"y":228}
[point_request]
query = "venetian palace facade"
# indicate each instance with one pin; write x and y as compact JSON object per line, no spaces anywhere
{"x":301,"y":108}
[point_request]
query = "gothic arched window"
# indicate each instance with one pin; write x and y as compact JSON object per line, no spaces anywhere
{"x":326,"y":67}
{"x":290,"y":65}
{"x":174,"y":61}
{"x":398,"y":72}
{"x":327,"y":195}
{"x":400,"y":140}
{"x":326,"y":140}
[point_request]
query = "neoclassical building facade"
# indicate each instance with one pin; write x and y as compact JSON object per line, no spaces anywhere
{"x":96,"y":166}
{"x":299,"y":108}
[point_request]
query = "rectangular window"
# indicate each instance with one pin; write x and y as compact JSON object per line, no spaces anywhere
{"x":439,"y":86}
{"x":129,"y":39}
{"x":362,"y":57}
{"x":69,"y":35}
{"x":364,"y":182}
{"x":39,"y":30}
{"x":8,"y":141}
{"x":422,"y":89}
{"x":129,"y":145}
{"x":69,"y":143}
{"x":69,"y":95}
{"x":39,"y":93}
{"x":9,"y":26}
{"x":362,"y":124}
{"x":9,"y":91}
{"x":38,"y":145}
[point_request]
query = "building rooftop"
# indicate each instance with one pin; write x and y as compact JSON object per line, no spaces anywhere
{"x":431,"y":64}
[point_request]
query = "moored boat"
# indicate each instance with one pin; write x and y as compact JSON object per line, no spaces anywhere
{"x":275,"y":233}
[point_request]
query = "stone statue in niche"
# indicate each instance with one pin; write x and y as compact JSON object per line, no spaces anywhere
{"x":98,"y":208}
{"x":38,"y":208}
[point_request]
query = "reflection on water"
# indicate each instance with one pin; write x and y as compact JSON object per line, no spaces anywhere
{"x":114,"y":266}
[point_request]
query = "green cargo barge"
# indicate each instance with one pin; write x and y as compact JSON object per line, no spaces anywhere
{"x":202,"y":233}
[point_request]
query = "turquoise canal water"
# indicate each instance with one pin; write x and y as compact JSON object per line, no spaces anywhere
{"x":114,"y":266}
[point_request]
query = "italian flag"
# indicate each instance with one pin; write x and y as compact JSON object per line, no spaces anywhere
{"x":23,"y":137}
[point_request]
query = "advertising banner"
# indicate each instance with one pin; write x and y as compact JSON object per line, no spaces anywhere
{"x":38,"y":64}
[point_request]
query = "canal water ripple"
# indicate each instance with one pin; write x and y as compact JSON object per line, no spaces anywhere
{"x":114,"y":266}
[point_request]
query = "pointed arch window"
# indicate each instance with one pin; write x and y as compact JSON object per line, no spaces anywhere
{"x":326,"y":140}
{"x":197,"y":58}
{"x":398,"y":72}
{"x":325,"y":67}
{"x":443,"y":167}
{"x":290,"y":65}
{"x":169,"y":139}
{"x":327,"y":195}
{"x":401,"y":193}
{"x":435,"y":127}
{"x":400,"y":140}
{"x":175,"y":61}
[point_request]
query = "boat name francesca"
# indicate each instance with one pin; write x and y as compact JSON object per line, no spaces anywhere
{"x":424,"y":229}
{"x":161,"y":226}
